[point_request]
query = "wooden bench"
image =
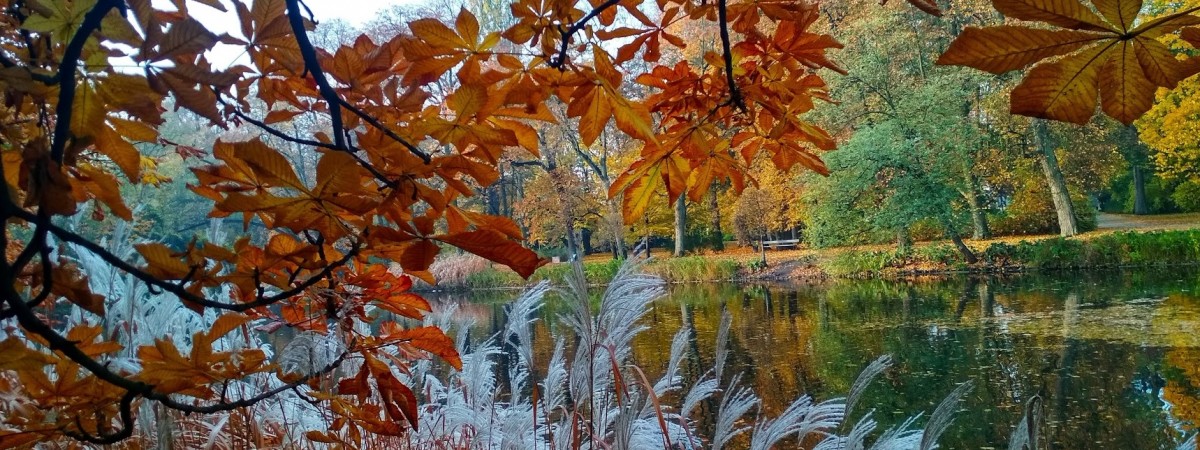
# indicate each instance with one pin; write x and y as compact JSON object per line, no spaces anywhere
{"x":780,"y":244}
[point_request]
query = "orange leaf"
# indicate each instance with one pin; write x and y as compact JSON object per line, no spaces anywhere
{"x":432,"y":340}
{"x":495,"y":246}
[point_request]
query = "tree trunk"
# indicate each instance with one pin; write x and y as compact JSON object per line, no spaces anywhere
{"x":1141,"y":206}
{"x":975,"y":200}
{"x":718,"y":236}
{"x":903,"y":240}
{"x":585,"y":235}
{"x":572,"y":244}
{"x":617,"y":226}
{"x":1067,"y":225}
{"x":963,"y":250}
{"x":680,"y":224}
{"x":646,"y":242}
{"x":568,"y":220}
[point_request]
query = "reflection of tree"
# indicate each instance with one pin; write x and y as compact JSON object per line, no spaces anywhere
{"x":1183,"y":384}
{"x":815,"y":339}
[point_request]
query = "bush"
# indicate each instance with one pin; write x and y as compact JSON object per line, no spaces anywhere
{"x":1031,"y":211}
{"x":938,"y":253}
{"x":690,"y":269}
{"x":862,"y":263}
{"x":1187,"y":196}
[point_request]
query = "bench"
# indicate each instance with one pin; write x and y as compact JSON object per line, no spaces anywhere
{"x":780,"y":244}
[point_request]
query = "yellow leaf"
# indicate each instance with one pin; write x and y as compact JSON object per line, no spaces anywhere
{"x":1120,"y":13}
{"x":1158,"y":62}
{"x":104,"y":187}
{"x":160,"y":262}
{"x":268,"y":164}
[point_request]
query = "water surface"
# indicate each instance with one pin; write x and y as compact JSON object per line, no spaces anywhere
{"x":1115,"y":355}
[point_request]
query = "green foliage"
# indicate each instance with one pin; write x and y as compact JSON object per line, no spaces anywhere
{"x":1123,"y":249}
{"x":1187,"y":196}
{"x":1160,"y":194}
{"x":688,"y":269}
{"x":861,"y":264}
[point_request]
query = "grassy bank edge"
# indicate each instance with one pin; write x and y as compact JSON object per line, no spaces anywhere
{"x":1118,"y":249}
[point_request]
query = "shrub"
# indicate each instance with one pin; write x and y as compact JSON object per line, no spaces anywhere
{"x":1187,"y":196}
{"x":861,"y":263}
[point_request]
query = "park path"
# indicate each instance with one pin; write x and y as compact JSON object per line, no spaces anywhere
{"x":1106,"y":221}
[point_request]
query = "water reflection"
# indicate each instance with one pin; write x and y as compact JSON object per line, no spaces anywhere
{"x":1115,"y":355}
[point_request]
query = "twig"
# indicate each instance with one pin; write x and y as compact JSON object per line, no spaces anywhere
{"x":558,"y":60}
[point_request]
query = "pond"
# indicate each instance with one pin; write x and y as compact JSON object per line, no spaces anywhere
{"x":1115,"y":355}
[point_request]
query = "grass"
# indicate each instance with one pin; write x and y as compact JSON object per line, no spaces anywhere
{"x":1101,"y":250}
{"x":1140,"y":241}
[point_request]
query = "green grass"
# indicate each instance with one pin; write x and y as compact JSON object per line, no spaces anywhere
{"x":687,"y":269}
{"x":1121,"y":249}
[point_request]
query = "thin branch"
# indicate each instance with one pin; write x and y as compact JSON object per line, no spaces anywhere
{"x":387,"y":131}
{"x":272,"y":130}
{"x":45,"y":79}
{"x":735,"y":95}
{"x":250,"y":401}
{"x":313,"y":67}
{"x":298,"y":140}
{"x":126,"y":413}
{"x":558,"y":60}
{"x":532,"y":162}
{"x":179,"y":290}
{"x":66,"y":75}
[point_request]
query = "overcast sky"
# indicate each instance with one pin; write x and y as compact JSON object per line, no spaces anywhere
{"x":357,"y":12}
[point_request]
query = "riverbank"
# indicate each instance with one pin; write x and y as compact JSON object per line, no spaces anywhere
{"x":1098,"y":249}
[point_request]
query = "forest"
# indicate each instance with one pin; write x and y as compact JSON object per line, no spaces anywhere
{"x":225,"y":221}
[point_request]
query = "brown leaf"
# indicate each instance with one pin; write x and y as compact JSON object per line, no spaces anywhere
{"x":1119,"y":13}
{"x":15,"y":355}
{"x":495,"y":246}
{"x":1127,"y":92}
{"x":1064,"y":90}
{"x":1004,"y":48}
{"x":1064,"y":13}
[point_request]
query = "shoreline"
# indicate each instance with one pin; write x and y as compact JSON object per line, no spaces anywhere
{"x":1113,"y":250}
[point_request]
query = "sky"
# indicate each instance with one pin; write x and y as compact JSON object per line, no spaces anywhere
{"x":361,"y":12}
{"x":355,"y":12}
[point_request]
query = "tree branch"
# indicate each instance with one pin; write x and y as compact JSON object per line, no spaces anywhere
{"x":735,"y":95}
{"x":313,"y":67}
{"x":66,"y":75}
{"x":558,"y":60}
{"x":178,"y":290}
{"x":387,"y":131}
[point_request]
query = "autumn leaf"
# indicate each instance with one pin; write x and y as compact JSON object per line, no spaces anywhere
{"x":15,"y":355}
{"x":1106,"y":54}
{"x":429,"y":339}
{"x":496,"y":246}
